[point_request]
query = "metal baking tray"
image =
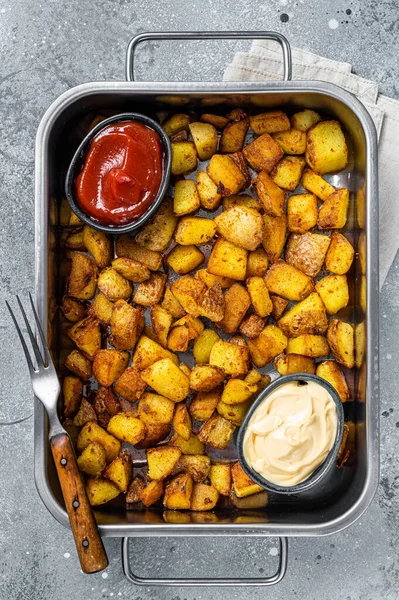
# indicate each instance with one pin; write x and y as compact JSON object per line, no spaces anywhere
{"x":348,"y":493}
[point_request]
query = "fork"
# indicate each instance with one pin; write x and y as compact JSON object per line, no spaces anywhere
{"x":46,"y":388}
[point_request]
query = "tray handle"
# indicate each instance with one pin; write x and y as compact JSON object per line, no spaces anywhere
{"x":209,"y":35}
{"x":209,"y":582}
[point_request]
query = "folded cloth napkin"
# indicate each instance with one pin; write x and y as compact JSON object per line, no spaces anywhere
{"x":263,"y":62}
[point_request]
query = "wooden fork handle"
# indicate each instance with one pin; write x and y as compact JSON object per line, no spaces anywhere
{"x":88,"y":541}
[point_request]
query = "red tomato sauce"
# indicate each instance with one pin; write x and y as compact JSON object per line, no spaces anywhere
{"x":122,"y":173}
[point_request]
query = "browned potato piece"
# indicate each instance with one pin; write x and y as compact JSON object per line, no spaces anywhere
{"x":232,"y":359}
{"x":301,"y":212}
{"x":92,"y":432}
{"x":228,"y":260}
{"x":287,"y":281}
{"x":306,"y":252}
{"x":171,"y":304}
{"x":101,"y":309}
{"x":155,"y":433}
{"x":167,"y":379}
{"x":213,"y":304}
{"x":194,"y":230}
{"x":259,"y":296}
{"x":120,"y":471}
{"x":257,"y":263}
{"x":194,"y":325}
{"x":189,"y":291}
{"x":215,"y":120}
{"x":108,"y":365}
{"x":279,"y":306}
{"x":225,"y":174}
{"x":126,"y":428}
{"x":270,"y":195}
{"x":152,"y":493}
{"x":99,"y":245}
{"x":287,"y":364}
{"x":113,"y":285}
{"x":126,"y":247}
{"x":106,"y":405}
{"x":150,"y":292}
{"x":326,"y":150}
{"x":340,"y":337}
{"x":72,"y":309}
{"x":287,"y":173}
{"x":161,"y":321}
{"x":85,"y":414}
{"x":269,"y":122}
{"x":130,"y":385}
{"x":305,"y":119}
{"x":234,"y":412}
{"x":134,"y":491}
{"x":204,"y":497}
{"x":233,"y":136}
{"x":361,"y":251}
{"x":131,"y":269}
{"x":87,"y":336}
{"x":205,"y":138}
{"x":153,"y":408}
{"x":74,"y":240}
{"x":210,"y":197}
{"x":157,"y":233}
{"x":334,"y":292}
{"x":191,"y":446}
{"x":317,"y":185}
{"x":178,"y":492}
{"x":340,"y":254}
{"x":182,"y":421}
{"x":238,"y":340}
{"x":100,"y":491}
{"x":292,"y":141}
{"x":252,"y":325}
{"x":274,"y":230}
{"x":269,"y":344}
{"x":92,"y":460}
{"x":79,"y":364}
{"x":186,"y":198}
{"x":331,"y":372}
{"x":333,"y":213}
{"x":360,"y":343}
{"x":204,"y":404}
{"x":237,"y":391}
{"x":308,"y":316}
{"x":126,"y":325}
{"x":217,"y":432}
{"x":175,"y":123}
{"x":220,"y":477}
{"x":184,"y":157}
{"x":72,"y":392}
{"x":242,"y":485}
{"x":241,"y":226}
{"x":314,"y":346}
{"x":205,"y":378}
{"x":82,"y":280}
{"x":209,"y":279}
{"x":263,"y":153}
{"x":161,"y":461}
{"x":184,"y":259}
{"x":197,"y":465}
{"x":260,"y":379}
{"x":241,"y":200}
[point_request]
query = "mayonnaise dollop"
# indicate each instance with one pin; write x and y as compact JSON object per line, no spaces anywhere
{"x":291,"y":433}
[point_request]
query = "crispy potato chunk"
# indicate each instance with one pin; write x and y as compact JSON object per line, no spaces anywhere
{"x":232,"y":359}
{"x":177,"y":122}
{"x":82,"y":280}
{"x":204,"y":404}
{"x":326,"y":150}
{"x":191,"y":446}
{"x":101,"y":309}
{"x":228,"y":260}
{"x":87,"y":336}
{"x":314,"y":346}
{"x":340,"y":337}
{"x":287,"y":281}
{"x":257,"y":263}
{"x":301,"y":212}
{"x":157,"y":233}
{"x":72,"y":392}
{"x":126,"y":428}
{"x":270,"y":195}
{"x":161,"y":461}
{"x":148,"y":352}
{"x":186,"y":198}
{"x":305,"y":119}
{"x":220,"y":477}
{"x":198,"y":466}
{"x":189,"y":291}
{"x":99,"y":245}
{"x":241,"y":226}
{"x":217,"y":432}
{"x":261,"y":380}
{"x":308,"y":316}
{"x":259,"y":296}
{"x":130,"y":385}
{"x":113,"y":285}
{"x":242,"y":485}
{"x":269,"y":344}
{"x":274,"y":232}
{"x":241,"y":200}
{"x":209,"y":279}
{"x":210,"y":197}
{"x":194,"y":230}
{"x":204,"y":497}
{"x":108,"y":365}
{"x":182,"y":421}
{"x":171,"y":304}
{"x":307,"y":252}
{"x":75,"y":240}
{"x":334,"y":292}
{"x":287,"y":364}
{"x":288,"y":171}
{"x":72,"y":309}
{"x":92,"y":432}
{"x":205,"y":378}
{"x":333,"y":213}
{"x":184,"y":259}
{"x":263,"y":153}
{"x":152,"y":492}
{"x":150,"y":292}
{"x":252,"y":325}
{"x":184,"y":157}
{"x":126,"y":324}
{"x":161,"y":321}
{"x":237,"y":391}
{"x":79,"y":364}
{"x":269,"y":122}
{"x":178,"y":492}
{"x":227,"y":176}
{"x":126,"y":247}
{"x":153,"y":408}
{"x":203,"y":346}
{"x":292,"y":141}
{"x":167,"y":379}
{"x":279,"y":306}
{"x":234,"y":412}
{"x":233,"y":136}
{"x":213,"y":303}
{"x":360,"y":343}
{"x":155,"y":433}
{"x":85,"y":414}
{"x":100,"y":491}
{"x":106,"y":405}
{"x":92,"y":460}
{"x":331,"y":372}
{"x":216,"y":120}
{"x":120,"y":471}
{"x":134,"y":491}
{"x":194,"y":325}
{"x":315,"y":184}
{"x":339,"y":255}
{"x":205,"y":138}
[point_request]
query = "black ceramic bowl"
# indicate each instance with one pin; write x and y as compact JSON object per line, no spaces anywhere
{"x":77,"y":163}
{"x":322,"y":470}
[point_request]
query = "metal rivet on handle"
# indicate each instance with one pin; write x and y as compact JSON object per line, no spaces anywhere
{"x":85,"y":543}
{"x":63,"y":462}
{"x":76,"y":504}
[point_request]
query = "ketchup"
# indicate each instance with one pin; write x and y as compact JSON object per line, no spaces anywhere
{"x":122,"y":173}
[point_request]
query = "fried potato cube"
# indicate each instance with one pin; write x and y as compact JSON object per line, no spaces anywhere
{"x":270,"y":195}
{"x":134,"y":491}
{"x":205,"y":138}
{"x":292,"y":141}
{"x":315,"y":184}
{"x":155,"y":433}
{"x":307,"y":252}
{"x":334,"y":292}
{"x":148,"y":352}
{"x":127,"y":428}
{"x":79,"y":365}
{"x":274,"y":231}
{"x":257,"y":263}
{"x":340,"y":337}
{"x":87,"y":336}
{"x":269,"y":344}
{"x":287,"y":364}
{"x":216,"y":120}
{"x":209,"y":279}
{"x":331,"y":372}
{"x":339,"y":255}
{"x":241,"y":200}
{"x":269,"y":122}
{"x":194,"y":325}
{"x":288,"y":171}
{"x":234,"y":412}
{"x":186,"y":198}
{"x":260,"y":379}
{"x":301,"y":212}
{"x":92,"y":460}
{"x":152,"y":493}
{"x":212,"y":305}
{"x":126,"y":325}
{"x":184,"y":259}
{"x":99,"y":245}
{"x":360,"y":343}
{"x":72,"y":392}
{"x":161,"y":461}
{"x":228,"y":260}
{"x":175,"y":123}
{"x":204,"y":497}
{"x":74,"y":240}
{"x":150,"y":292}
{"x":241,"y":226}
{"x":184,"y":158}
{"x":153,"y":408}
{"x":305,"y":119}
{"x":92,"y":432}
{"x":101,"y":308}
{"x":259,"y":296}
{"x":205,"y":378}
{"x":203,"y":404}
{"x":227,"y":176}
{"x":233,"y":136}
{"x":189,"y":291}
{"x":232,"y":359}
{"x":217,"y":432}
{"x":106,"y":404}
{"x":171,"y":304}
{"x":113,"y":285}
{"x":333,"y":213}
{"x":263,"y":153}
{"x":120,"y":471}
{"x":279,"y":306}
{"x":161,"y":321}
{"x":158,"y":232}
{"x":82,"y":280}
{"x":308,"y":316}
{"x":108,"y":365}
{"x":182,"y":421}
{"x":85,"y":414}
{"x":326,"y":150}
{"x":252,"y":325}
{"x":130,"y":385}
{"x":198,"y":466}
{"x":191,"y":446}
{"x":287,"y":281}
{"x":72,"y":309}
{"x":314,"y":346}
{"x":203,"y":346}
{"x":194,"y":230}
{"x":208,"y":192}
{"x":131,"y":269}
{"x":220,"y":478}
{"x":126,"y":247}
{"x":361,"y":251}
{"x":167,"y":379}
{"x":100,"y":491}
{"x":237,"y":391}
{"x":242,"y":484}
{"x":178,"y":492}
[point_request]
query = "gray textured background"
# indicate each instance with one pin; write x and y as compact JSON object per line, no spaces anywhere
{"x":49,"y":46}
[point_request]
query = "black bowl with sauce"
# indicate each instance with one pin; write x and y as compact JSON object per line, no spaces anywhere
{"x":78,"y":163}
{"x":324,"y":468}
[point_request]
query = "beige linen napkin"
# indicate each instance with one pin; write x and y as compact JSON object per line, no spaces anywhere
{"x":263,"y":62}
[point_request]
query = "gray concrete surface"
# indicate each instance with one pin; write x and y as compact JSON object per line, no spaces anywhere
{"x":49,"y":46}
